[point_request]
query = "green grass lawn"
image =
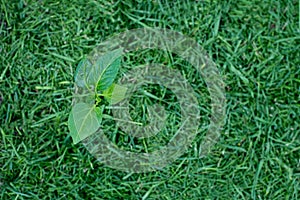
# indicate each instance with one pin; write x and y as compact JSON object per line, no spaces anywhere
{"x":256,"y":47}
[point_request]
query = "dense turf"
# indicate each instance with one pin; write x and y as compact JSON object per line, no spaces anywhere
{"x":255,"y":44}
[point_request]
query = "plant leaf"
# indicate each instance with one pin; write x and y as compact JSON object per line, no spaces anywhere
{"x":81,"y":71}
{"x":109,"y":65}
{"x":115,"y":93}
{"x":101,"y":74}
{"x":84,"y":120}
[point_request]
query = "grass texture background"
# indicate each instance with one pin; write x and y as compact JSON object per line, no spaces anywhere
{"x":255,"y":45}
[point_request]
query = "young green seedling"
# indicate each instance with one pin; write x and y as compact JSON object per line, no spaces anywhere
{"x":95,"y":79}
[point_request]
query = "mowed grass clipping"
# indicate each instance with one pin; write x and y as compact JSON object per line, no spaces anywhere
{"x":255,"y":45}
